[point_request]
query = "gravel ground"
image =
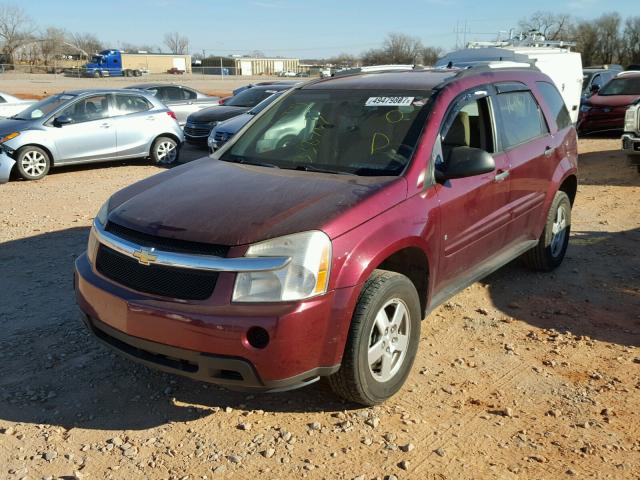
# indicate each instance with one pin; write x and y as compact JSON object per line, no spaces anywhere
{"x":522,"y":375}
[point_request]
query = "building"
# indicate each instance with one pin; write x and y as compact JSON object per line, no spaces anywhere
{"x":247,"y":66}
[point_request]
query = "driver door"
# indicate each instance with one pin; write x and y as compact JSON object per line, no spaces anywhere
{"x":90,"y":136}
{"x":474,"y":211}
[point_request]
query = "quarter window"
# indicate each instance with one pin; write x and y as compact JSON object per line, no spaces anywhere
{"x":88,"y":109}
{"x":522,"y":119}
{"x":555,"y":103}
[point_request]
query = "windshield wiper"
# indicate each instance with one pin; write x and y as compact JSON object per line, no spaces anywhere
{"x":311,"y":168}
{"x":245,"y":161}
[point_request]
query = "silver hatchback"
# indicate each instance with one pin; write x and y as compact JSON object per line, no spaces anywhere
{"x":89,"y":126}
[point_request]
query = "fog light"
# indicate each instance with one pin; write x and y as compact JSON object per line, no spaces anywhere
{"x":258,"y":337}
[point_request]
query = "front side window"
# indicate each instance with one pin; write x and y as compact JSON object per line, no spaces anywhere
{"x":126,"y":104}
{"x":361,"y":132}
{"x":621,"y":86}
{"x":88,"y":109}
{"x":522,"y":119}
{"x":555,"y":103}
{"x":188,"y":94}
{"x":470,"y":127}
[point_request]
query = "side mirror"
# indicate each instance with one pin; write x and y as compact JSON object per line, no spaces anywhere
{"x":61,"y":121}
{"x":466,"y":162}
{"x":595,"y":88}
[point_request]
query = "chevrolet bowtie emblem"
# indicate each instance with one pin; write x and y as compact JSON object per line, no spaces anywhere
{"x":145,"y":256}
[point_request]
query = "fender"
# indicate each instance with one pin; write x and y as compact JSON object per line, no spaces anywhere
{"x":38,"y":138}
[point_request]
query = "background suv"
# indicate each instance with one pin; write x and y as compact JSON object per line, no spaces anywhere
{"x":285,"y":261}
{"x":89,"y":126}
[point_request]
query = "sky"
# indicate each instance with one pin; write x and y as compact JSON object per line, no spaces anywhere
{"x":300,"y":28}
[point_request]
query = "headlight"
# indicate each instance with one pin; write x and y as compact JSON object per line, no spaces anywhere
{"x":306,"y":275}
{"x":101,"y":218}
{"x":8,"y":137}
{"x":630,"y":120}
{"x":585,"y":108}
{"x":213,"y":124}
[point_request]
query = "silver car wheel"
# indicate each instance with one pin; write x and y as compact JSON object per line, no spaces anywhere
{"x":34,"y":163}
{"x":166,"y":151}
{"x":389,"y":340}
{"x":558,"y":231}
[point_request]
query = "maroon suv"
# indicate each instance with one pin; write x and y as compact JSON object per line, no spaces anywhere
{"x":315,"y":242}
{"x":604,"y":110}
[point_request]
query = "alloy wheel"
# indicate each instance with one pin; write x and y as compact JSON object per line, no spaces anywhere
{"x":166,"y":152}
{"x":389,"y":340}
{"x":558,"y":231}
{"x":33,"y":163}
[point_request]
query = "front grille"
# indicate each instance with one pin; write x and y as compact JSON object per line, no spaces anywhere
{"x":155,"y":279}
{"x":167,"y":244}
{"x":197,"y":129}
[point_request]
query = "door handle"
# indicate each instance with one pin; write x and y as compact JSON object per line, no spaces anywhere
{"x":548,"y":151}
{"x":151,"y":119}
{"x":501,"y":176}
{"x":105,"y":125}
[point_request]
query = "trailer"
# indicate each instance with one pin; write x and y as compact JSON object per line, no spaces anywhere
{"x":116,"y":63}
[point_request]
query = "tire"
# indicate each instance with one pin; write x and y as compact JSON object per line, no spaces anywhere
{"x":371,"y":382}
{"x":32,"y":162}
{"x":137,"y":73}
{"x":552,"y":245}
{"x":162,"y":144}
{"x":126,"y":73}
{"x":96,"y":74}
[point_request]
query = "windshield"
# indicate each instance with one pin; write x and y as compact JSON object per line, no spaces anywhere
{"x":361,"y":132}
{"x":585,"y":79}
{"x":264,"y":104}
{"x":250,"y":97}
{"x":43,"y":107}
{"x":622,"y":86}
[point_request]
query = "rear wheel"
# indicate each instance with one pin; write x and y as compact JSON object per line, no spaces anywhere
{"x":383,"y":340}
{"x":552,"y":245}
{"x":164,"y":151}
{"x":32,"y":163}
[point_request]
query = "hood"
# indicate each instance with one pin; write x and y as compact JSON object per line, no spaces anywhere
{"x":612,"y":100}
{"x":234,"y":124}
{"x":212,"y":201}
{"x":7,"y":125}
{"x":216,"y":113}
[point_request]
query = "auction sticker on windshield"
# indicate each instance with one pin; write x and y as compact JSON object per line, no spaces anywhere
{"x":388,"y":101}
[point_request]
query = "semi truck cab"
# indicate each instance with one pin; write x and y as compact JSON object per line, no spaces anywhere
{"x":108,"y":63}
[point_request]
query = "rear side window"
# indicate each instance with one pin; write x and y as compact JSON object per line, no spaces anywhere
{"x":188,"y":94}
{"x":131,"y":104}
{"x":555,"y":103}
{"x":522,"y":119}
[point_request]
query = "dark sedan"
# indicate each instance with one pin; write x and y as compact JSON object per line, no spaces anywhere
{"x":200,"y":124}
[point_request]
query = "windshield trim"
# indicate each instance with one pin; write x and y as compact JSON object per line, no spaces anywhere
{"x":46,"y":117}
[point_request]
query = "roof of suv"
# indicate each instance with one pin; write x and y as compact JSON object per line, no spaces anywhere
{"x":87,"y":91}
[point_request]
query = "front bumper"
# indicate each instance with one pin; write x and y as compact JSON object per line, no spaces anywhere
{"x":207,"y":340}
{"x":631,"y":144}
{"x":6,"y":165}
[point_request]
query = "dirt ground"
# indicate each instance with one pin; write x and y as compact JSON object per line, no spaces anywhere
{"x":522,"y":375}
{"x":41,"y":85}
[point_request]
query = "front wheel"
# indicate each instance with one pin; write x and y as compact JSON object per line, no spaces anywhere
{"x":33,"y":163}
{"x":164,"y":151}
{"x":552,"y":245}
{"x":383,"y":340}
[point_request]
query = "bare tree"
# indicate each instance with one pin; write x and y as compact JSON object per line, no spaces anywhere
{"x":608,"y":26}
{"x":430,"y":55}
{"x":15,"y":28}
{"x":134,"y":48}
{"x":585,"y":34}
{"x":257,"y":54}
{"x":631,"y":40}
{"x":554,"y":26}
{"x":343,"y":60}
{"x":397,"y":48}
{"x":52,"y":44}
{"x":176,"y":43}
{"x":86,"y":43}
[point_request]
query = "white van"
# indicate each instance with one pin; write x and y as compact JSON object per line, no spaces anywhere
{"x":561,"y":65}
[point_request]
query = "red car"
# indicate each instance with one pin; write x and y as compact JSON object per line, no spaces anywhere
{"x":604,"y":110}
{"x":316,"y":240}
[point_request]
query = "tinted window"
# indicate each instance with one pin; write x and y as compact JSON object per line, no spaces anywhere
{"x":250,"y":97}
{"x":126,"y":104}
{"x":2,"y":99}
{"x":521,"y":118}
{"x":88,"y":109}
{"x":471,"y":127}
{"x":622,"y":86}
{"x":555,"y":103}
{"x":188,"y":94}
{"x":364,"y":132}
